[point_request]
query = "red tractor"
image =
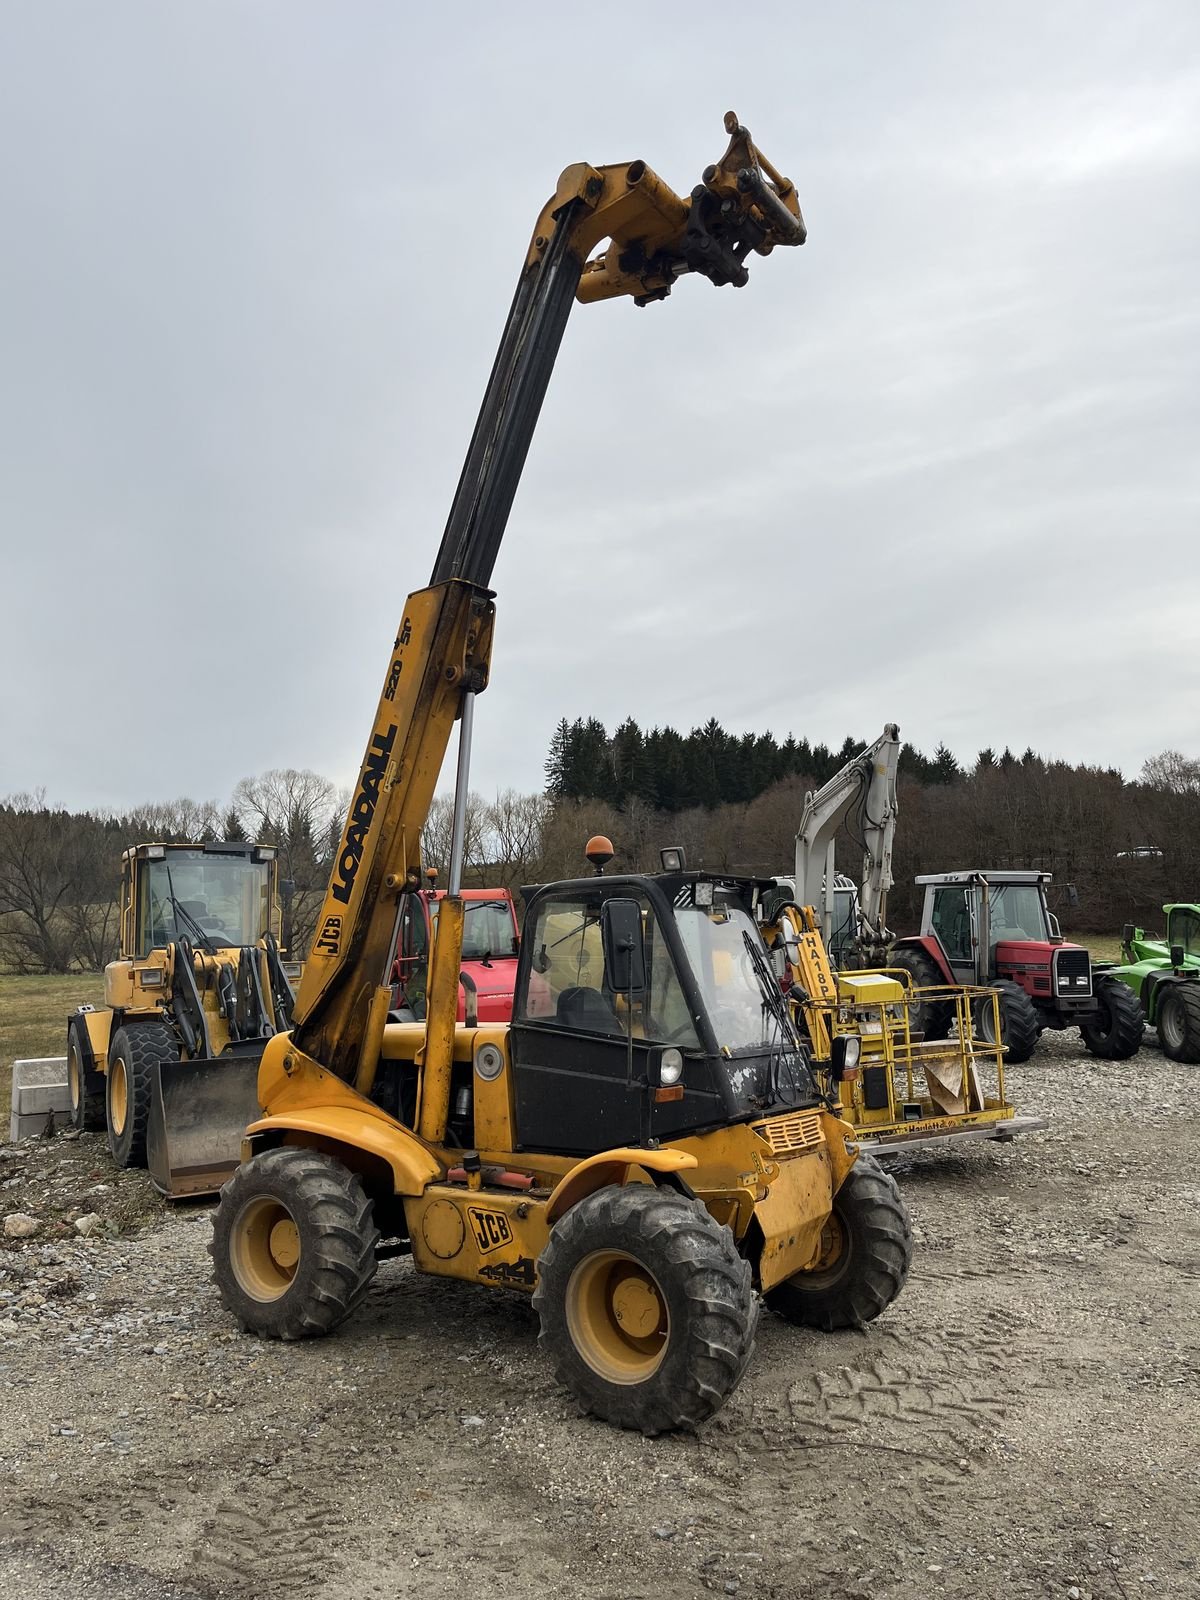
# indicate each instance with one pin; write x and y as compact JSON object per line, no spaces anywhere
{"x":994,"y":928}
{"x":489,"y":954}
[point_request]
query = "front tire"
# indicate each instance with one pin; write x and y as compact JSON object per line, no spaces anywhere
{"x":1019,"y":1029}
{"x":1117,"y":1033}
{"x":293,"y":1243}
{"x":1178,"y":1023}
{"x":86,"y":1088}
{"x":867,"y":1253}
{"x":933,"y":1017}
{"x":133,"y":1053}
{"x":647,"y":1311}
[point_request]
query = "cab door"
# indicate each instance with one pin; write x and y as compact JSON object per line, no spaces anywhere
{"x":955,"y":923}
{"x":578,"y":1044}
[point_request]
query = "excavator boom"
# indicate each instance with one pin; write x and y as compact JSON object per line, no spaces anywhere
{"x":864,"y":788}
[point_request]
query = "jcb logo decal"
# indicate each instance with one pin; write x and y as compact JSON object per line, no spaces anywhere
{"x":329,"y":940}
{"x":491,"y":1229}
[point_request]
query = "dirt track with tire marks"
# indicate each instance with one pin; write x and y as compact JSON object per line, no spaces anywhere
{"x":1022,"y":1422}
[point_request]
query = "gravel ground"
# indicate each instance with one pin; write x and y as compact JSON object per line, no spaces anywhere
{"x":1022,"y":1422}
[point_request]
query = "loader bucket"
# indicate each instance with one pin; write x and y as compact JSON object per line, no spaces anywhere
{"x":199,"y":1111}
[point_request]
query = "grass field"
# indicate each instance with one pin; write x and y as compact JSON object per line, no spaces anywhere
{"x":33,"y":1019}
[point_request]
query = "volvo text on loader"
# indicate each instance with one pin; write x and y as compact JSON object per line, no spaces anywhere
{"x":644,"y":1148}
{"x":199,"y":977}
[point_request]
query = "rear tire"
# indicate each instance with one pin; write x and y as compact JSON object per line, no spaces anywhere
{"x":1178,"y":1022}
{"x":86,"y":1088}
{"x":647,"y":1311}
{"x":1117,"y":1034}
{"x":868,"y":1243}
{"x":293,"y":1243}
{"x":933,"y":1018}
{"x":1019,"y":1029}
{"x":133,"y":1052}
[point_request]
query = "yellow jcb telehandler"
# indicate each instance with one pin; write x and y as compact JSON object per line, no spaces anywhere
{"x":643,"y":1149}
{"x":200,"y":977}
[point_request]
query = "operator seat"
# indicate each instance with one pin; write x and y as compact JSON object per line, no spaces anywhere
{"x":587,"y":1010}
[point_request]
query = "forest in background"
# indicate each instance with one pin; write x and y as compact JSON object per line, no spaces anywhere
{"x":1118,"y":848}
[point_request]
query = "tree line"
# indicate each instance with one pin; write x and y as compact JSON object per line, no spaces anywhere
{"x":1118,"y":849}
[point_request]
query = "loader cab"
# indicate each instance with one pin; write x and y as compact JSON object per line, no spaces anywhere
{"x":224,"y":893}
{"x":646,"y":1007}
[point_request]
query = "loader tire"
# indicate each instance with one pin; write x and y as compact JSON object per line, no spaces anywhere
{"x":647,"y":1311}
{"x":133,"y":1053}
{"x":87,"y":1089}
{"x":867,"y":1253}
{"x":1117,"y":1032}
{"x":1178,"y":1024}
{"x":934,"y":1017}
{"x":293,"y":1243}
{"x":1019,"y":1030}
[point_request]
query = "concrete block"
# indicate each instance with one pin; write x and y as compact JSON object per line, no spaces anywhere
{"x":38,"y":1087}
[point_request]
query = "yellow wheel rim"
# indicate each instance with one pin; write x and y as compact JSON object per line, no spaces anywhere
{"x":74,"y":1078}
{"x":118,"y":1095}
{"x":264,"y":1248}
{"x":617,"y":1317}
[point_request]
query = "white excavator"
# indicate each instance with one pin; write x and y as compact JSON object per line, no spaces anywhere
{"x":852,"y":920}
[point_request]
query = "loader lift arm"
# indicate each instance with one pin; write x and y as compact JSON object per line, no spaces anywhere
{"x":866,"y":787}
{"x":440,"y":658}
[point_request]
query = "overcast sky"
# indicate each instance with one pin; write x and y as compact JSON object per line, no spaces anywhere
{"x":939,"y":466}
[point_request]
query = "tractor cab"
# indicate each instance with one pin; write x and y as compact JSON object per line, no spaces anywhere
{"x":666,"y":993}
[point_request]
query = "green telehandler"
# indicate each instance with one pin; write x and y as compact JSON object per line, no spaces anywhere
{"x":1165,"y":976}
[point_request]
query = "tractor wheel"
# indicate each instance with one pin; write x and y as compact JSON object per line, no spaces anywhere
{"x":86,"y":1088}
{"x":133,"y":1052}
{"x":1178,"y":1024}
{"x":934,"y":1017}
{"x":1019,"y":1030}
{"x":1117,"y":1032}
{"x":866,"y":1249}
{"x":293,"y":1243}
{"x":648,"y":1313}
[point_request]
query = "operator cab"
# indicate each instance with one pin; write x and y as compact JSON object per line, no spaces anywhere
{"x":662,"y":982}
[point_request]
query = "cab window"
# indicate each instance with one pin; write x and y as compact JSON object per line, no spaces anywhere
{"x":952,"y":922}
{"x":568,"y":983}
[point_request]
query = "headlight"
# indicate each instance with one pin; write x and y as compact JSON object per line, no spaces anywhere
{"x":853,"y":1051}
{"x":148,"y":977}
{"x":670,"y":1068}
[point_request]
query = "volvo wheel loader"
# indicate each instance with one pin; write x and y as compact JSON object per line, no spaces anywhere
{"x":199,"y":978}
{"x":643,"y":1149}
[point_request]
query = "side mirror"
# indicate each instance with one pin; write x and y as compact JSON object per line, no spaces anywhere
{"x":624,"y":950}
{"x":287,"y":889}
{"x":1178,"y":955}
{"x":843,"y":1057}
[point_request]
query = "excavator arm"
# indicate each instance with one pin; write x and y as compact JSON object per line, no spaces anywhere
{"x":863,"y":791}
{"x":650,"y":237}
